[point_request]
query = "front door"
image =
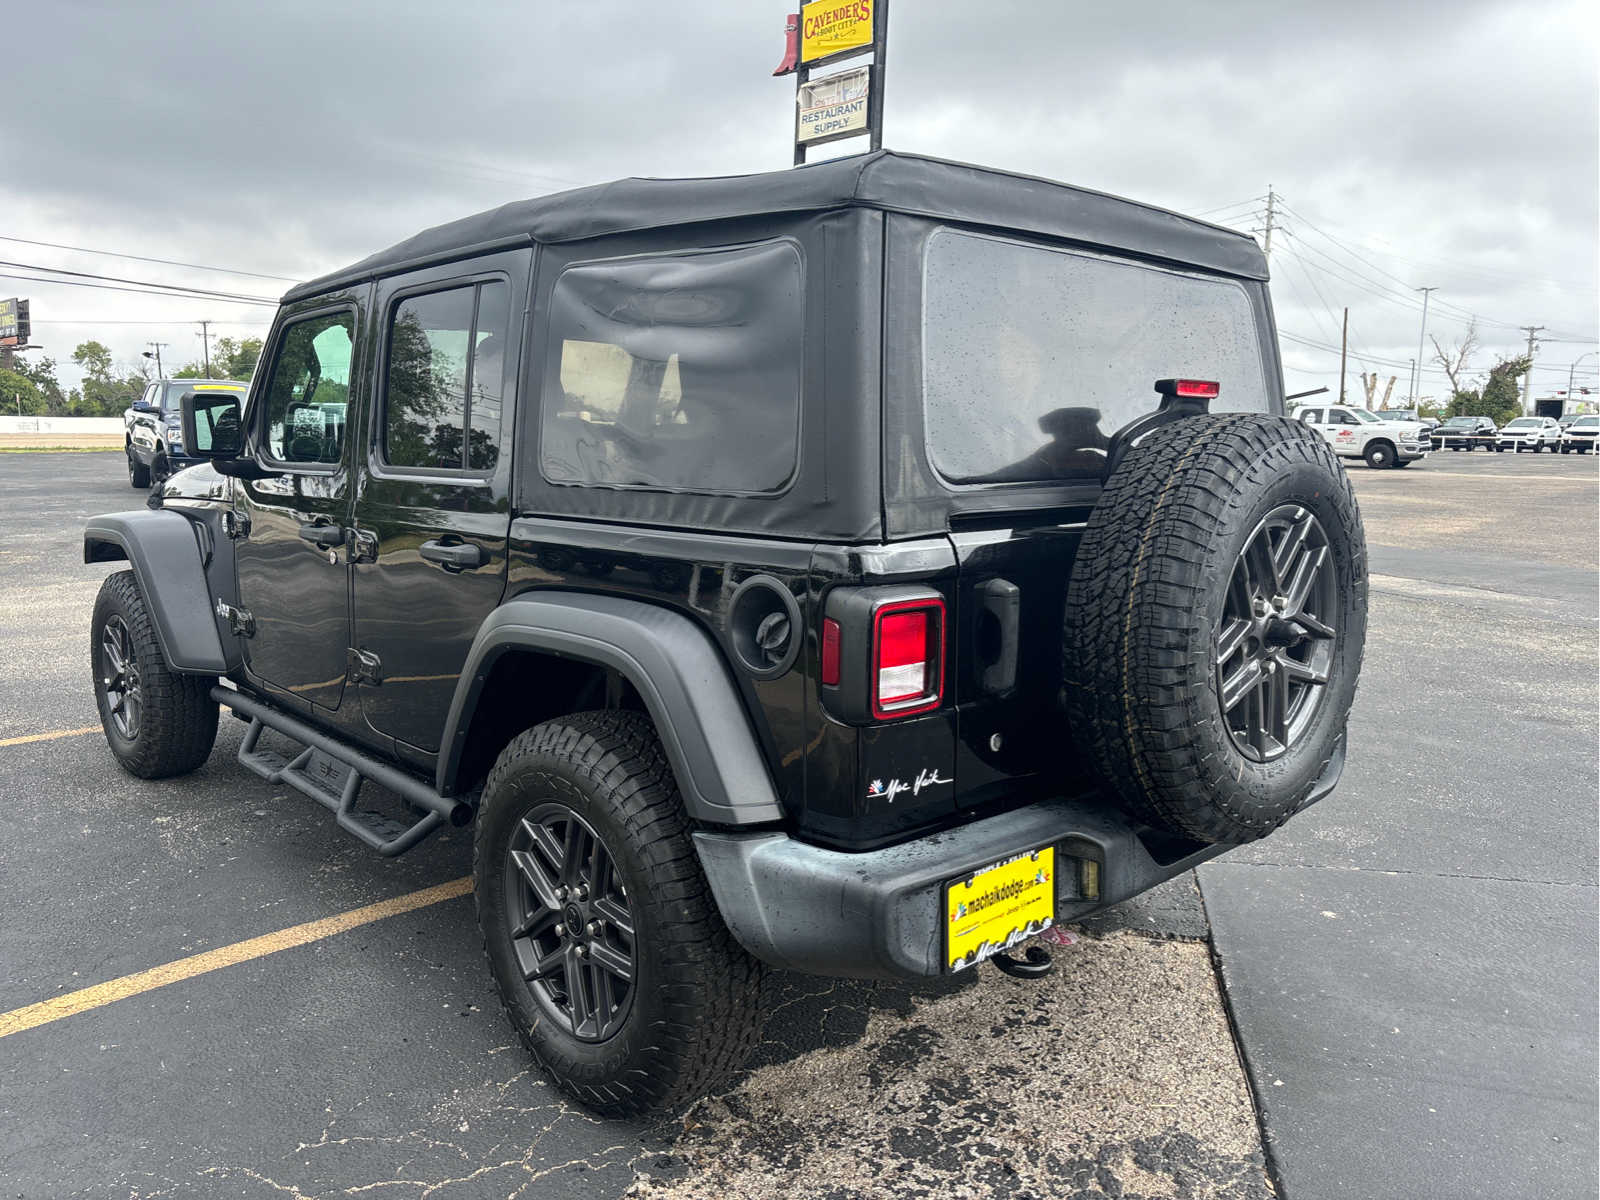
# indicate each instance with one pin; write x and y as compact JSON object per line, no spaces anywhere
{"x":431,"y":523}
{"x":292,"y":567}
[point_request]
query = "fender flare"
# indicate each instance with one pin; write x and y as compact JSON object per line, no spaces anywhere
{"x":163,"y":549}
{"x":676,"y":669}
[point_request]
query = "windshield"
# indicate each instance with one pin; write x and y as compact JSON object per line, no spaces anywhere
{"x":1525,"y":423}
{"x":1462,"y":421}
{"x":1034,"y":357}
{"x":1586,"y":423}
{"x":1397,"y":414}
{"x":176,"y":389}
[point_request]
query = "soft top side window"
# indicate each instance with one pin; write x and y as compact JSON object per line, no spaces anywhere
{"x":308,"y":391}
{"x":677,"y":372}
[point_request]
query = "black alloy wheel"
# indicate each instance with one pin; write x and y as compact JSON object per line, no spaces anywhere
{"x":1275,"y":643}
{"x":571,"y":928}
{"x":120,"y":678}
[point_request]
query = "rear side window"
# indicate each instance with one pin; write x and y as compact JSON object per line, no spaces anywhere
{"x":442,"y":390}
{"x":1033,"y":358}
{"x":309,"y":392}
{"x":678,"y":372}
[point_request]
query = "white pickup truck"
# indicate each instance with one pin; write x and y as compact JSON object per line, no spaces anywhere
{"x":1356,"y":433}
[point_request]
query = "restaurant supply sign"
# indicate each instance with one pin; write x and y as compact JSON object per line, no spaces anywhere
{"x":835,"y":107}
{"x":835,"y":28}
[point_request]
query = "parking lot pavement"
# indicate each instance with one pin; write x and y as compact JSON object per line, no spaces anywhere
{"x":374,"y":1062}
{"x":1411,"y":964}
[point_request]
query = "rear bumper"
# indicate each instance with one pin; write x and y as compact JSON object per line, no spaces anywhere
{"x":878,"y":915}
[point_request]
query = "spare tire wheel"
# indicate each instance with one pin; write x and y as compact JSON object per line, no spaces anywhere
{"x":1214,"y":624}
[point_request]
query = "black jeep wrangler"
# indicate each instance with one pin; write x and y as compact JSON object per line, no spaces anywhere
{"x":855,"y":570}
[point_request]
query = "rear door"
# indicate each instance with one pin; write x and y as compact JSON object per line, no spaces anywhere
{"x":430,"y":527}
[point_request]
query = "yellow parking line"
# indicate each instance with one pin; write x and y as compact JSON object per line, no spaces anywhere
{"x":57,"y":1007}
{"x":49,"y":737}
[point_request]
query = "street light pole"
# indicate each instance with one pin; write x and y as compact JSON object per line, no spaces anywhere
{"x":1572,"y":371}
{"x":1416,"y":384}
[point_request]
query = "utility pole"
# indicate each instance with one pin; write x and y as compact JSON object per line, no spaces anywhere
{"x":1416,"y":378}
{"x":1527,"y":380}
{"x":1272,"y":200}
{"x":156,"y":346}
{"x":205,"y":338}
{"x":1344,"y":348}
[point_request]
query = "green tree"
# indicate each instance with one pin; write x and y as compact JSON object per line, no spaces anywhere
{"x":194,"y":370}
{"x":42,"y":375}
{"x":1499,"y":398}
{"x":102,"y":394}
{"x":235,"y":359}
{"x":19,"y":396}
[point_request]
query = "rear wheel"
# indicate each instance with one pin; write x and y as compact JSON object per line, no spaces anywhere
{"x":158,"y":723}
{"x":1215,"y":622}
{"x":611,"y":959}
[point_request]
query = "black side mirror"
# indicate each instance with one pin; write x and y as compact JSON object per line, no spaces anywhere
{"x":139,"y":406}
{"x":212,"y":428}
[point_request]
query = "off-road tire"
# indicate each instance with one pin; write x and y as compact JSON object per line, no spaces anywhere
{"x":698,"y":1000}
{"x":138,"y":473}
{"x":1143,"y":608}
{"x":178,"y":719}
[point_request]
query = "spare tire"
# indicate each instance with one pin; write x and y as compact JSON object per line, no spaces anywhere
{"x":1215,"y":621}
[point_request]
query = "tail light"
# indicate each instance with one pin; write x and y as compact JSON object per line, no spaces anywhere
{"x":1199,"y":389}
{"x":907,"y":658}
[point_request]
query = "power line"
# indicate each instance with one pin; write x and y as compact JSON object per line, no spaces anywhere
{"x":1566,"y":285}
{"x":192,"y":294}
{"x":166,"y":262}
{"x":148,"y":283}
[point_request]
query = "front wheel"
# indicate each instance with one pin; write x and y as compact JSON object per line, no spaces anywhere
{"x":1379,"y":455}
{"x":611,"y":959}
{"x":158,"y":723}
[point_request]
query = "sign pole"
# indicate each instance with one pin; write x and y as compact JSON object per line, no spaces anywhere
{"x":880,"y":60}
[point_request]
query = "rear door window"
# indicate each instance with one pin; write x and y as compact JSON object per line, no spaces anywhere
{"x":677,"y":372}
{"x":442,"y":387}
{"x":1034,"y":357}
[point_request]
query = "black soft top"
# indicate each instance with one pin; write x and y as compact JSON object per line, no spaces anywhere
{"x":884,"y":180}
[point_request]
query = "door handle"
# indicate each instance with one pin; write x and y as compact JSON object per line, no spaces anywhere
{"x":454,"y":556}
{"x":324,"y":534}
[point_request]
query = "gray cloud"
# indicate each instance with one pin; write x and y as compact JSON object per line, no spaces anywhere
{"x":1448,"y":143}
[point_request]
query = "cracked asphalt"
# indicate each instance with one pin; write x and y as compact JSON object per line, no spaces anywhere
{"x":376,"y":1063}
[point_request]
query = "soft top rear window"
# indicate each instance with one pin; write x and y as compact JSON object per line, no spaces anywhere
{"x":1034,"y":357}
{"x":677,"y":372}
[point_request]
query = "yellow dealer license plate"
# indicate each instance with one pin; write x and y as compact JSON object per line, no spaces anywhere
{"x":998,"y":907}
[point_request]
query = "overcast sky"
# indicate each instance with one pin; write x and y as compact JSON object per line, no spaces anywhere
{"x":1445,"y":144}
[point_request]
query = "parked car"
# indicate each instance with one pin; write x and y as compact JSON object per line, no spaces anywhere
{"x":1529,"y":433}
{"x":1566,"y":419}
{"x":1579,"y":437}
{"x":722,"y":550}
{"x":1357,"y":433}
{"x":1408,"y":414}
{"x":152,"y":428}
{"x":1465,"y":433}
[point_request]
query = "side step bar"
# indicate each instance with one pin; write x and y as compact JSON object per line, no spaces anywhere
{"x":331,"y":773}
